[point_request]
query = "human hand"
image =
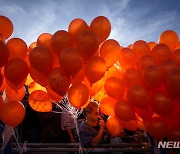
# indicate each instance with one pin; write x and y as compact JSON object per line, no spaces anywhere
{"x":102,"y":124}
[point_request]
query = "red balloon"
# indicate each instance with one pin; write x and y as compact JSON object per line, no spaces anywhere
{"x":53,"y":95}
{"x":6,"y":27}
{"x":145,"y":114}
{"x":138,"y":96}
{"x":61,"y":40}
{"x":16,"y":71}
{"x":4,"y":54}
{"x":161,"y":104}
{"x":59,"y":81}
{"x":95,"y":69}
{"x":1,"y":78}
{"x":124,"y":110}
{"x":71,"y":61}
{"x":102,"y":27}
{"x":13,"y":113}
{"x":176,"y":57}
{"x":110,"y":48}
{"x":78,"y":94}
{"x":144,"y":62}
{"x":41,"y":59}
{"x":114,"y":87}
{"x":129,"y":125}
{"x":157,"y":127}
{"x":152,"y":44}
{"x":174,"y":134}
{"x":87,"y":44}
{"x":17,"y":48}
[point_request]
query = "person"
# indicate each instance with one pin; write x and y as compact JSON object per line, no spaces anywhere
{"x":92,"y":131}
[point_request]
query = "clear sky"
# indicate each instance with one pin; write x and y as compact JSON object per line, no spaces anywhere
{"x":131,"y":20}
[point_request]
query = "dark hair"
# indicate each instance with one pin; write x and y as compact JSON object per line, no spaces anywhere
{"x":93,"y":104}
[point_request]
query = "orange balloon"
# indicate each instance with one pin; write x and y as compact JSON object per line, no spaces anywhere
{"x":152,"y":76}
{"x":1,"y":78}
{"x":145,"y":114}
{"x":14,"y":95}
{"x":174,"y":134}
{"x":107,"y":105}
{"x":124,"y":110}
{"x":113,"y":126}
{"x":161,"y":104}
{"x":38,"y":77}
{"x":4,"y":54}
{"x":129,"y":125}
{"x":94,"y":88}
{"x":114,"y":87}
{"x":127,"y":58}
{"x":131,"y":77}
{"x":15,"y":86}
{"x":40,"y":101}
{"x":16,"y":71}
{"x":160,"y":53}
{"x":141,"y":48}
{"x":71,"y":61}
{"x":31,"y":46}
{"x":2,"y":39}
{"x":17,"y":48}
{"x":102,"y":27}
{"x":3,"y":85}
{"x":13,"y":113}
{"x":176,"y":57}
{"x":157,"y":127}
{"x":54,"y":96}
{"x":76,"y":27}
{"x":41,"y":59}
{"x":95,"y":69}
{"x":59,"y":81}
{"x":61,"y":40}
{"x":6,"y":27}
{"x":178,"y":45}
{"x":110,"y":48}
{"x":170,"y":38}
{"x":87,"y":44}
{"x":144,"y":62}
{"x":152,"y":44}
{"x":35,"y":86}
{"x":138,"y":96}
{"x":172,"y":83}
{"x":78,"y":94}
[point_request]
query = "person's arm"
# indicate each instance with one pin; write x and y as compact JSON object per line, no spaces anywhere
{"x":96,"y":140}
{"x":70,"y":134}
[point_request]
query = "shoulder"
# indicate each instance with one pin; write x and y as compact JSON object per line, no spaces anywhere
{"x":83,"y":126}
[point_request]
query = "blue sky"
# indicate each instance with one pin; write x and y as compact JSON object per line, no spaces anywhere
{"x":131,"y":20}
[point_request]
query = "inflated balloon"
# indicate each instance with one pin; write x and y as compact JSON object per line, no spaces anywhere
{"x":170,"y":38}
{"x":94,"y":88}
{"x":107,"y":105}
{"x":141,"y":48}
{"x":79,"y":77}
{"x":161,"y":52}
{"x":176,"y":57}
{"x":110,"y":48}
{"x":17,"y":48}
{"x":38,"y":77}
{"x":172,"y":83}
{"x":2,"y":39}
{"x":102,"y":27}
{"x":157,"y":127}
{"x":114,"y":87}
{"x":41,"y":59}
{"x":87,"y":44}
{"x":95,"y":69}
{"x":31,"y":46}
{"x":121,"y":109}
{"x":174,"y":134}
{"x":59,"y":81}
{"x":71,"y":61}
{"x":1,"y":78}
{"x":152,"y":77}
{"x":3,"y":85}
{"x":40,"y":101}
{"x":16,"y":71}
{"x":152,"y":44}
{"x":131,"y":77}
{"x":113,"y":126}
{"x":61,"y":40}
{"x":138,"y":96}
{"x":76,"y":27}
{"x":4,"y":54}
{"x":145,"y":114}
{"x":6,"y":27}
{"x":14,"y":95}
{"x":129,"y":125}
{"x":161,"y":104}
{"x":54,"y":96}
{"x":127,"y":58}
{"x":78,"y":94}
{"x":144,"y":62}
{"x":13,"y":113}
{"x":35,"y":86}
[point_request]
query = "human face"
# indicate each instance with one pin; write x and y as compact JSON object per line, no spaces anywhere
{"x":93,"y":115}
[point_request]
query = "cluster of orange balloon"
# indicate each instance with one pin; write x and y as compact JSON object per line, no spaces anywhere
{"x":137,"y":86}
